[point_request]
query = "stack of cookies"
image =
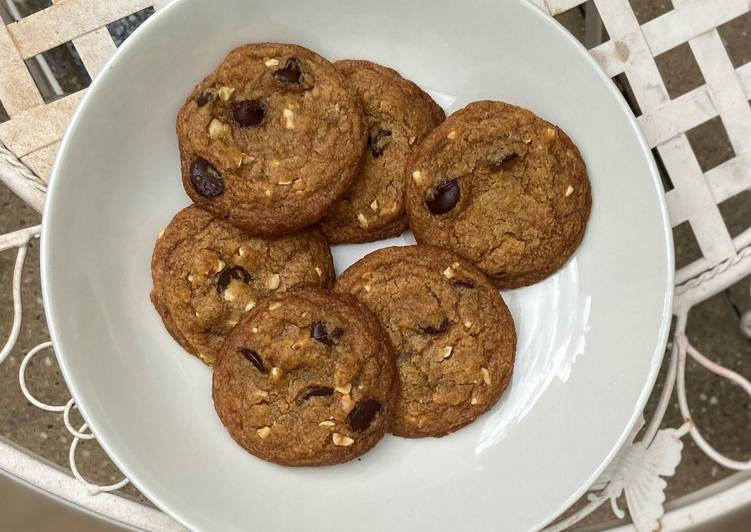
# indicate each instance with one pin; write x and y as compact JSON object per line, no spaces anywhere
{"x":284,"y":153}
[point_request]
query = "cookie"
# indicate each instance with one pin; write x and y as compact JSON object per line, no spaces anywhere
{"x":399,"y":115}
{"x":271,"y":139}
{"x":503,"y":188}
{"x":453,"y":335}
{"x":307,"y":378}
{"x":207,"y":274}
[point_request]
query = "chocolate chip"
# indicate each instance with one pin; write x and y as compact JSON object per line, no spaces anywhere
{"x":463,"y":284}
{"x":204,"y":97}
{"x":318,"y":331}
{"x":363,"y":413}
{"x":205,"y":178}
{"x":442,"y":328}
{"x":379,"y":139}
{"x":290,"y":73}
{"x":253,"y":358}
{"x":231,"y":272}
{"x":248,"y":112}
{"x":315,"y":391}
{"x":444,"y":198}
{"x":498,"y":161}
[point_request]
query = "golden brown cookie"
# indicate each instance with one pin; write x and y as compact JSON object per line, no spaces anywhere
{"x":307,"y":378}
{"x":399,"y":115}
{"x":207,"y":274}
{"x":453,"y":335}
{"x":271,"y":139}
{"x":501,"y":187}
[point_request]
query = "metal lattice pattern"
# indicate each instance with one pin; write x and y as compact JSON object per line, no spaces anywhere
{"x":631,"y":51}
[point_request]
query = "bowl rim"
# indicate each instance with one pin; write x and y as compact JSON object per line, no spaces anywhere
{"x":66,"y":370}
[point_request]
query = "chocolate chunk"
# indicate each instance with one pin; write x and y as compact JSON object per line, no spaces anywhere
{"x":442,"y":328}
{"x":253,"y":358}
{"x":378,"y":140}
{"x":248,"y":112}
{"x":444,"y":198}
{"x":462,"y":284}
{"x":363,"y":413}
{"x":204,"y":97}
{"x":318,"y":331}
{"x":499,"y":160}
{"x":315,"y":391}
{"x":290,"y":73}
{"x":231,"y":272}
{"x":205,"y":178}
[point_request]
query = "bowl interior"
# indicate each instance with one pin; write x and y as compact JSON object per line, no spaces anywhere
{"x":590,"y":338}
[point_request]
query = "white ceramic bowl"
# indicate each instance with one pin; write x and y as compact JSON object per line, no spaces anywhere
{"x":591,"y":337}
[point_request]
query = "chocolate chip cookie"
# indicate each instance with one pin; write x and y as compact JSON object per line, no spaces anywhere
{"x":503,"y":188}
{"x":307,"y":378}
{"x":399,"y":115}
{"x":453,"y":335}
{"x":271,"y":139}
{"x":207,"y":274}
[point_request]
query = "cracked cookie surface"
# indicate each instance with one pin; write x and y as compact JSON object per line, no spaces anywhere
{"x":207,"y":274}
{"x":501,"y":187}
{"x":453,"y":335}
{"x":399,"y":115}
{"x":270,"y":139}
{"x":306,"y":378}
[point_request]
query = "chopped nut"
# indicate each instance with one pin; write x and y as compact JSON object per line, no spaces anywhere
{"x":218,"y":129}
{"x":374,"y":205}
{"x":473,"y":401}
{"x":254,"y":330}
{"x":411,"y":140}
{"x":452,"y":134}
{"x":550,"y":132}
{"x":448,"y":273}
{"x":220,"y":264}
{"x":160,"y":235}
{"x":417,"y":176}
{"x":446,"y":351}
{"x":341,"y":441}
{"x":275,"y":373}
{"x":362,"y":220}
{"x":271,"y":63}
{"x":275,"y":305}
{"x":288,"y":118}
{"x":250,"y":305}
{"x":267,"y":192}
{"x":344,"y":389}
{"x":243,"y":251}
{"x":237,"y":158}
{"x":485,"y":375}
{"x":527,"y":140}
{"x":319,"y":271}
{"x":285,"y":182}
{"x":247,"y":158}
{"x":272,"y":283}
{"x":326,"y":424}
{"x":191,"y":278}
{"x":569,"y":190}
{"x":225,"y":93}
{"x":229,"y":294}
{"x":231,"y":323}
{"x":366,"y":288}
{"x":455,"y":265}
{"x":264,"y":432}
{"x":467,"y":324}
{"x":347,"y":403}
{"x":261,"y":394}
